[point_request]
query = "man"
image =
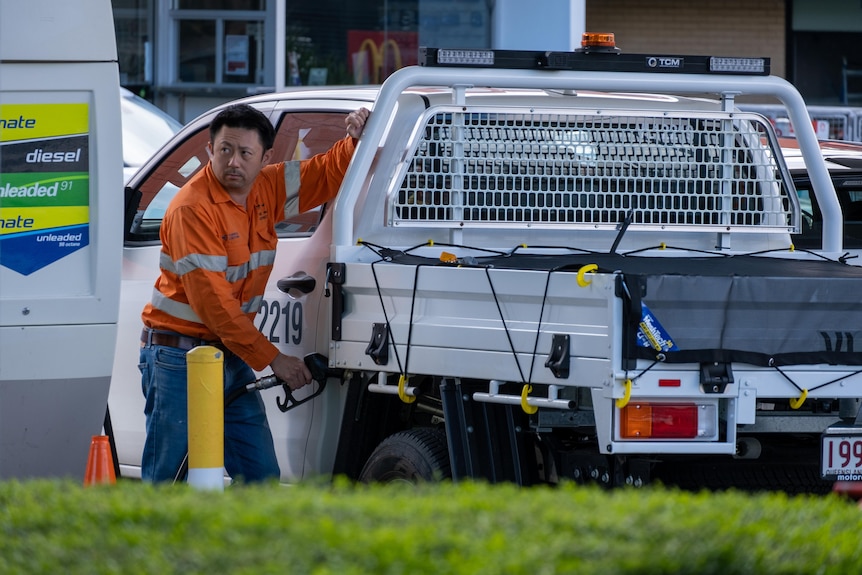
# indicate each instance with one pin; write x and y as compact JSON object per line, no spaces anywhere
{"x":218,"y":247}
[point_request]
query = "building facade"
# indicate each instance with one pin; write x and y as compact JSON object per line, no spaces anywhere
{"x":188,"y":55}
{"x":814,"y":44}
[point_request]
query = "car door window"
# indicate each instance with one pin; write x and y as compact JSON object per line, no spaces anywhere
{"x":299,"y":135}
{"x":849,"y":191}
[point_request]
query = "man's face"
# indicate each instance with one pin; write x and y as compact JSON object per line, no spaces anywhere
{"x":237,"y":157}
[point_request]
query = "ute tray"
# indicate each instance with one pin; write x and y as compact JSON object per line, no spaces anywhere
{"x":755,"y":309}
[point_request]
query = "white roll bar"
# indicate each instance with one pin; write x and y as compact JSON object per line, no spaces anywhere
{"x":636,"y":82}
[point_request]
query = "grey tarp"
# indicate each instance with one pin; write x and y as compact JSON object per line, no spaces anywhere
{"x":752,"y":309}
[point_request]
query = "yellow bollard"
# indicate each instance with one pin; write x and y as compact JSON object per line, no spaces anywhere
{"x":206,"y":417}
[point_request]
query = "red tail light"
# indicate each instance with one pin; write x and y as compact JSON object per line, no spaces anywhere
{"x":659,"y":421}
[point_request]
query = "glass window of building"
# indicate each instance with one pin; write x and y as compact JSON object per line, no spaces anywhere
{"x":220,"y":4}
{"x":363,"y":41}
{"x":134,"y":29}
{"x":229,"y":46}
{"x":219,"y":42}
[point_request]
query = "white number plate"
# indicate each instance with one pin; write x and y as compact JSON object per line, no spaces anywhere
{"x":841,"y":457}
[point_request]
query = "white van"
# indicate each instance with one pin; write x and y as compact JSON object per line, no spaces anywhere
{"x":61,"y":205}
{"x":146,"y":128}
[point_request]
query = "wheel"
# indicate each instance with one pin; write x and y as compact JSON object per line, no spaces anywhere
{"x":413,"y":456}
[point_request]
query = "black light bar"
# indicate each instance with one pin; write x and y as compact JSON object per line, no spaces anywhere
{"x":591,"y":61}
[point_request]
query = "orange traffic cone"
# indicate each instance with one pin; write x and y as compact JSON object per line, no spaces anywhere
{"x":100,"y":464}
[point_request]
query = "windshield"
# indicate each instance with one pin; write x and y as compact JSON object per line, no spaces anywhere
{"x":145,"y":129}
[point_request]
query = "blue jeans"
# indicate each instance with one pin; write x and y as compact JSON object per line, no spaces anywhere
{"x":249,"y":454}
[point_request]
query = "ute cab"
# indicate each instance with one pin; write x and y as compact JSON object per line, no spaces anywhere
{"x":844,"y":162}
{"x":307,"y":121}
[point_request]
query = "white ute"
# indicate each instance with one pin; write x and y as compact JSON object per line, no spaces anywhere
{"x":547,"y":266}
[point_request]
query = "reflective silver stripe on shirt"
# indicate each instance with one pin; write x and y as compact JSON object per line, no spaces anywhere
{"x":193,"y":262}
{"x":253,"y":306}
{"x":258,"y":259}
{"x":174,"y":308}
{"x":215,"y":264}
{"x":166,"y":263}
{"x":262,"y":258}
{"x":185,"y":312}
{"x":291,"y":184}
{"x":236,"y":273}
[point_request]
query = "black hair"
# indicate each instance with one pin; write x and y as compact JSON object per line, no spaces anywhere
{"x":246,"y":117}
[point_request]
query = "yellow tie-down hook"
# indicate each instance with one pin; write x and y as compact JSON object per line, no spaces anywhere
{"x":589,"y":268}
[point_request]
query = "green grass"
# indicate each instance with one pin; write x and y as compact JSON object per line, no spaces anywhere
{"x":61,"y":527}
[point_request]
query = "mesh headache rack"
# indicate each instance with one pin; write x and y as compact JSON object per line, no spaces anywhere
{"x":469,"y":166}
{"x":474,"y":166}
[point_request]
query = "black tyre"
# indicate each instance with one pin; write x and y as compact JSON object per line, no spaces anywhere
{"x":412,"y":456}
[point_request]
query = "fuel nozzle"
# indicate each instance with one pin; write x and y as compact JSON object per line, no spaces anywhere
{"x":318,"y":365}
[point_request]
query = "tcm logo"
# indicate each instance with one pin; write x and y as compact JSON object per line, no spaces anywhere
{"x":664,"y":62}
{"x":838,"y":341}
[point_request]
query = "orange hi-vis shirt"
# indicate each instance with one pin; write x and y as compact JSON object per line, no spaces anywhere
{"x":217,"y":256}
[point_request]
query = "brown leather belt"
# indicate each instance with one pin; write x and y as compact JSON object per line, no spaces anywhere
{"x":179,"y":341}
